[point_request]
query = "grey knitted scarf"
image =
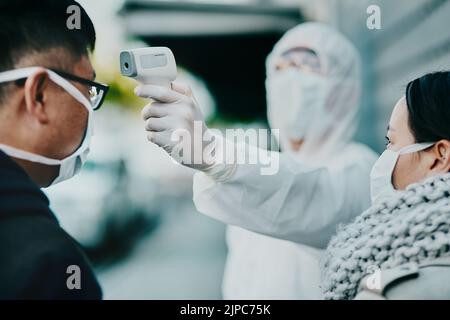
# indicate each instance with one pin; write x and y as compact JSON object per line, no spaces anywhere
{"x":412,"y":226}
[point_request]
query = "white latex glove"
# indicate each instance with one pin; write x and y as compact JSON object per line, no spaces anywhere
{"x":175,"y":114}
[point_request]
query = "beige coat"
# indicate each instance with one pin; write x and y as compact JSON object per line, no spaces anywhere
{"x":425,"y":281}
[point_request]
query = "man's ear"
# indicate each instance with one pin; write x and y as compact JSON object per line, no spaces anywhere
{"x":441,"y":155}
{"x":36,"y":95}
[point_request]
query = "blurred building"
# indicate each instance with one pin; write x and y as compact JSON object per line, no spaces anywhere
{"x":414,"y":39}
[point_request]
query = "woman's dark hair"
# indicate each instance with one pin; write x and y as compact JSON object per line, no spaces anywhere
{"x":428,"y":100}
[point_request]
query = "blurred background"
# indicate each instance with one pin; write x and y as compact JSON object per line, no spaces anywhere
{"x":131,"y":207}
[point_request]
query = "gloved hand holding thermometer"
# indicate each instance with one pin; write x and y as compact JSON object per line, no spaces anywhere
{"x":174,"y":111}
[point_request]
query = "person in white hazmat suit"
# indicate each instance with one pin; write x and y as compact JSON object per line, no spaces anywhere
{"x":313,"y":90}
{"x":308,"y":68}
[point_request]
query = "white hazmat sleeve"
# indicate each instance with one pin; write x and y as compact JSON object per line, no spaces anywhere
{"x":299,"y":203}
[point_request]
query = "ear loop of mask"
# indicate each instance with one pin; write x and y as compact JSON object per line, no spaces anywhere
{"x":415,"y":147}
{"x":17,"y":74}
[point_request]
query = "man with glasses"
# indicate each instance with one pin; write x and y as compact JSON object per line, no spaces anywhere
{"x":47,"y":101}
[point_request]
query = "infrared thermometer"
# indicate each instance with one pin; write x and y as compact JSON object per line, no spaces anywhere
{"x":152,"y":65}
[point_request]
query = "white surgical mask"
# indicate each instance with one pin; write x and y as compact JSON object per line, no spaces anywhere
{"x":71,"y":165}
{"x":293,"y":99}
{"x":381,"y":175}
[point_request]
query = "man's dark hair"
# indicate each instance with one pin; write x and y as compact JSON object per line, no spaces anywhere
{"x":33,"y":27}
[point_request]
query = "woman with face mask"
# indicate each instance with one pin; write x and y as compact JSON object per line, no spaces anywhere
{"x":402,"y":243}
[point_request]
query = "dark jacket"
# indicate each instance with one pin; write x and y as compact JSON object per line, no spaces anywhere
{"x":35,"y":252}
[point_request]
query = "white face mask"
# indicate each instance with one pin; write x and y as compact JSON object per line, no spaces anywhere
{"x":293,"y":99}
{"x":71,"y":165}
{"x":381,"y":175}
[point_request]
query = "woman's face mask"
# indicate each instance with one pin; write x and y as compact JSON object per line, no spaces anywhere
{"x":381,"y":185}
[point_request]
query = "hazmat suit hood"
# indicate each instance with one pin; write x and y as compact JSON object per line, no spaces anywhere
{"x":332,"y":118}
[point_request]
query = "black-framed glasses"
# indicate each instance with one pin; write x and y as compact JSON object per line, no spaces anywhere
{"x":97,"y":91}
